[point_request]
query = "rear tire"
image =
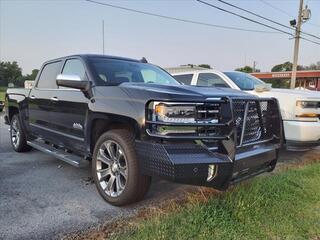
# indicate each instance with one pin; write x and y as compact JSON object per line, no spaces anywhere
{"x":18,"y":135}
{"x":115,"y":168}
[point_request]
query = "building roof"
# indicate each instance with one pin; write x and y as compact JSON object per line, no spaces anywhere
{"x":184,"y":68}
{"x":277,"y":75}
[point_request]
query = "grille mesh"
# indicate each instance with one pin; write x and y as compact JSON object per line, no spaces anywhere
{"x":254,"y":120}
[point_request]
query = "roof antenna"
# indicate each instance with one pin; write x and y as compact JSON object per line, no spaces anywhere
{"x":143,"y":60}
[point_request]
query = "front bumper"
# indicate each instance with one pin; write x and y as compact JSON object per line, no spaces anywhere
{"x":189,"y":163}
{"x":303,"y":134}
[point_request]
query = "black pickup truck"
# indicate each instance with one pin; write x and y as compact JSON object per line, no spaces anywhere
{"x":133,"y":120}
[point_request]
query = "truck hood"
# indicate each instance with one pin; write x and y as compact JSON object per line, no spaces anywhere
{"x":178,"y":92}
{"x":287,"y":100}
{"x":293,"y":94}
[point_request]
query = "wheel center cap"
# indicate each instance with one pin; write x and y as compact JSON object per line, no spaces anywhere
{"x":115,"y":167}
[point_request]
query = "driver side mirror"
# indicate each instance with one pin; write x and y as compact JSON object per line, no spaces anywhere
{"x":75,"y":82}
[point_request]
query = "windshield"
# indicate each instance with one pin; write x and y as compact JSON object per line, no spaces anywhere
{"x":115,"y":72}
{"x":244,"y":81}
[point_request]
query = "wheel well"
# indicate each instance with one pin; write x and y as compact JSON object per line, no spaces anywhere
{"x":12,"y":111}
{"x":100,"y":126}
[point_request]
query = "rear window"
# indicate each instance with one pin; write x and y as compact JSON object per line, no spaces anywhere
{"x":211,"y":80}
{"x":48,"y":75}
{"x":184,"y":78}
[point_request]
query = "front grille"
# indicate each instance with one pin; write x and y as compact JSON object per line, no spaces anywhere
{"x":208,"y":112}
{"x":255,"y":120}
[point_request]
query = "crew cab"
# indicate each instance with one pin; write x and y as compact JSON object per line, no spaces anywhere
{"x":300,"y":109}
{"x":133,"y":120}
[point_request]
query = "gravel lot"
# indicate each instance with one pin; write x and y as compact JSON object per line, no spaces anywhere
{"x":44,"y":198}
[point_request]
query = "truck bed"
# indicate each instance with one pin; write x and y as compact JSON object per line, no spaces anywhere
{"x":18,"y":91}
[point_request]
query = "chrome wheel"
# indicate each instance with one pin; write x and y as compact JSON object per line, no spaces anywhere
{"x":15,"y":133}
{"x":111,"y":168}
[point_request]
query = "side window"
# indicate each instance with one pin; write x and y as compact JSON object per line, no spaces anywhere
{"x":211,"y":80}
{"x":74,"y":67}
{"x":185,"y":78}
{"x":48,"y":75}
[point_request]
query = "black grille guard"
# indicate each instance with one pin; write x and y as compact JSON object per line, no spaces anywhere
{"x":243,"y":122}
{"x":186,"y":159}
{"x":246,"y":121}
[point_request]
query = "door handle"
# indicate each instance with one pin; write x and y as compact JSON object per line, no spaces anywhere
{"x":32,"y":97}
{"x":55,"y":99}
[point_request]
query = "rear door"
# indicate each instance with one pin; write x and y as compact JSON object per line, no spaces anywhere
{"x":40,"y":100}
{"x":69,"y":109}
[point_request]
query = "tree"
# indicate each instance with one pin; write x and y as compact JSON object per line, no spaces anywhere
{"x":313,"y":66}
{"x":283,"y":67}
{"x":10,"y":72}
{"x":31,"y":76}
{"x":246,"y":69}
{"x":287,"y":66}
{"x":205,"y":66}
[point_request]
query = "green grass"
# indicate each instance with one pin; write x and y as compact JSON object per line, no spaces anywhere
{"x":281,"y":206}
{"x":2,"y":93}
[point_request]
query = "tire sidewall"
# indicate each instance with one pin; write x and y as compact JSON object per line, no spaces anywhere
{"x":132,"y":167}
{"x":19,"y":146}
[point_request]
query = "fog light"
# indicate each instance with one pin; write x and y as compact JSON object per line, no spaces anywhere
{"x":212,"y":170}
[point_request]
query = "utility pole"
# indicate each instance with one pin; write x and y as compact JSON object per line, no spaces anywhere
{"x":103,"y":37}
{"x":296,"y":47}
{"x":254,"y":66}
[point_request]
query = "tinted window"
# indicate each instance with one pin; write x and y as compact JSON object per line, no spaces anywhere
{"x":211,"y":80}
{"x":48,"y":75}
{"x":185,"y":78}
{"x":243,"y":80}
{"x":114,"y":72}
{"x":74,"y":67}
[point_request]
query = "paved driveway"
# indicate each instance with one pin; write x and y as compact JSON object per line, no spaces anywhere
{"x":42,"y":197}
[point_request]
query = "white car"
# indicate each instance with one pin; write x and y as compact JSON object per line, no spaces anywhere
{"x":300,"y":109}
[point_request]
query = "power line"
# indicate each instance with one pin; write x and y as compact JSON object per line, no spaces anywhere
{"x":243,"y":17}
{"x":285,"y":12}
{"x":255,"y":14}
{"x":308,"y":40}
{"x":178,"y":19}
{"x":252,"y":20}
{"x":265,"y":18}
{"x":276,"y":8}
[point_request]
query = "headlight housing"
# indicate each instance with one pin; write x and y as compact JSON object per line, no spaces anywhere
{"x":308,"y":109}
{"x":174,"y":113}
{"x":308,"y":104}
{"x":184,"y":113}
{"x":184,"y":119}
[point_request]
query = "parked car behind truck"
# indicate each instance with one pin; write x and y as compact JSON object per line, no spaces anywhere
{"x":300,"y":109}
{"x":133,"y":120}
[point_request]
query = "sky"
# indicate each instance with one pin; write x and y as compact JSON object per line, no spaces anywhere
{"x":34,"y":31}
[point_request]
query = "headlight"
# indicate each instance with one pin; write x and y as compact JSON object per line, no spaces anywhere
{"x":308,"y":104}
{"x":175,"y":118}
{"x":174,"y":113}
{"x":184,"y":113}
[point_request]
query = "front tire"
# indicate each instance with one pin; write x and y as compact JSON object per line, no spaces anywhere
{"x":115,"y":168}
{"x":18,"y":135}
